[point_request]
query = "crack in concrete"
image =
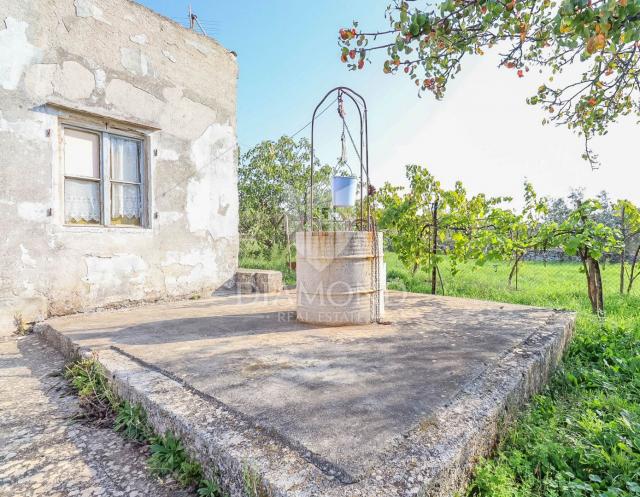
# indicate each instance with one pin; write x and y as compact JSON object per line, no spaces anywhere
{"x":325,"y":466}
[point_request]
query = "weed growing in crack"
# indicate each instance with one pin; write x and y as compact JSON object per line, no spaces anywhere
{"x":131,"y":421}
{"x":252,"y":483}
{"x":97,"y":399}
{"x":169,"y":458}
{"x":22,"y":328}
{"x":190,"y":474}
{"x":101,"y":404}
{"x":167,"y":455}
{"x":209,"y":488}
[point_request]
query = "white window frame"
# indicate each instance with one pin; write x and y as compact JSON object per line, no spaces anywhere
{"x":105,"y":131}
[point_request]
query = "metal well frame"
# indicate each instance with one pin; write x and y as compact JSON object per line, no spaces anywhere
{"x":361,"y":105}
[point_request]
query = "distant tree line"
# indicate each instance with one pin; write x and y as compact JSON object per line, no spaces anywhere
{"x":426,"y":223}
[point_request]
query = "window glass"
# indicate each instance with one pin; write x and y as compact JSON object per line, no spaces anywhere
{"x":81,"y":153}
{"x":124,"y":159}
{"x":81,"y":201}
{"x":126,"y":204}
{"x":96,"y":193}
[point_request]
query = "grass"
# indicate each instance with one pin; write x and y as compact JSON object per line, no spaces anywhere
{"x":168,"y":456}
{"x":277,"y":260}
{"x":581,"y":435}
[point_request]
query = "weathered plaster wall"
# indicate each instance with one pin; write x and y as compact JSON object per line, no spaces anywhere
{"x":117,"y":59}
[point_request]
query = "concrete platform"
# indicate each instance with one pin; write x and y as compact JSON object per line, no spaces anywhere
{"x":301,"y":410}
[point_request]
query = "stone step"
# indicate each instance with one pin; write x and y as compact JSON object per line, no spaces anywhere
{"x":258,"y":281}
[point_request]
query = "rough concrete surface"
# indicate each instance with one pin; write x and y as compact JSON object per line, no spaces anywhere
{"x":44,"y":452}
{"x":400,"y":409}
{"x":116,"y":66}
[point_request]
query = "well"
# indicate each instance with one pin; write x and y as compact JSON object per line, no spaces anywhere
{"x":340,"y":273}
{"x":340,"y":277}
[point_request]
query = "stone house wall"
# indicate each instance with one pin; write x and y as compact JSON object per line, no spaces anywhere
{"x":117,"y":64}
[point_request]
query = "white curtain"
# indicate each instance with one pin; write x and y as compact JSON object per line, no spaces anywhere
{"x":125,"y":203}
{"x":124,"y":160}
{"x":81,"y":202}
{"x":126,"y":200}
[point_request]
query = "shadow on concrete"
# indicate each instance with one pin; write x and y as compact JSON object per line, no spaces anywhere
{"x":45,"y":451}
{"x":203,"y":328}
{"x":345,"y":393}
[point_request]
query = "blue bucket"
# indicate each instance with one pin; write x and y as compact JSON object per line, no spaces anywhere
{"x":343,"y":190}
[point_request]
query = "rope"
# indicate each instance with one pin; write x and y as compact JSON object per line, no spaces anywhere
{"x":353,"y":143}
{"x":376,"y":274}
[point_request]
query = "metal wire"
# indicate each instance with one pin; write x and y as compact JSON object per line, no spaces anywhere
{"x":319,"y":114}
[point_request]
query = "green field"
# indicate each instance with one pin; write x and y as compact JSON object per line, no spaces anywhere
{"x":581,"y":436}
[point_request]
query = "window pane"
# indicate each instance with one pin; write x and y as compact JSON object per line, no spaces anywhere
{"x":126,"y":204}
{"x":81,"y":202}
{"x":124,"y":159}
{"x":81,"y":153}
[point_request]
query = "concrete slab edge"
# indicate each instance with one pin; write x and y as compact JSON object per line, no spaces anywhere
{"x":213,"y":435}
{"x":437,"y":457}
{"x":434,"y":459}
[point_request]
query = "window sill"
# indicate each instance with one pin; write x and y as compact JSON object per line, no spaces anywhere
{"x":103,"y":229}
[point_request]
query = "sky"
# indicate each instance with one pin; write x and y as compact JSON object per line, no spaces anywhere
{"x":482,"y":133}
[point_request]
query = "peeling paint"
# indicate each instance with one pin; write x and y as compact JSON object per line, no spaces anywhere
{"x":223,"y":207}
{"x":172,"y":95}
{"x":16,"y":54}
{"x":32,"y":211}
{"x":74,"y":81}
{"x":101,"y":78}
{"x":204,"y":50}
{"x":202,"y":268}
{"x":86,"y":8}
{"x":25,"y":129}
{"x":191,"y":118}
{"x":140,"y":39}
{"x":25,"y":258}
{"x":121,"y":274}
{"x":39,"y":78}
{"x":203,"y":192}
{"x":133,"y":101}
{"x":133,"y":60}
{"x":105,"y":60}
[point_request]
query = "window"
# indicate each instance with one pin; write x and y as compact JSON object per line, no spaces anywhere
{"x":126,"y":181}
{"x":82,"y":182}
{"x":103,"y":178}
